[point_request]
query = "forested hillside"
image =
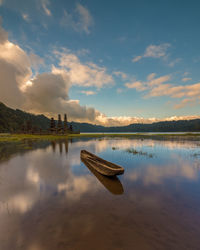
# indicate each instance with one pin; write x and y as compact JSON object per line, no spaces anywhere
{"x":13,"y":120}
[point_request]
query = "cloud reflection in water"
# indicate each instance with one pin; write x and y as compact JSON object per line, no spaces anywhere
{"x":48,"y":191}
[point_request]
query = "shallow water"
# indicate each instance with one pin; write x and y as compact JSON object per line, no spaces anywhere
{"x":50,"y":200}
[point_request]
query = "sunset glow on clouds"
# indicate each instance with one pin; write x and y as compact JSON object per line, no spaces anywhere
{"x":65,"y":58}
{"x":161,"y":86}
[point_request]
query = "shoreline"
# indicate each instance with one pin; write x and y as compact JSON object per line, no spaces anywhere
{"x":160,"y":136}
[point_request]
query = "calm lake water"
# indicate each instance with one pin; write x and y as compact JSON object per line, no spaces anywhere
{"x":50,"y":200}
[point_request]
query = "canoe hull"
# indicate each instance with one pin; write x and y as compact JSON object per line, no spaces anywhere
{"x":100,"y":165}
{"x":111,"y":183}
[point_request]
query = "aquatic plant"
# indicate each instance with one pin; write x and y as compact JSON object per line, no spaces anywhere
{"x":135,"y":152}
{"x":196,"y":155}
{"x":115,"y":148}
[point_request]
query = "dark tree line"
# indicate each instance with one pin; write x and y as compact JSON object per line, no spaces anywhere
{"x":13,"y":121}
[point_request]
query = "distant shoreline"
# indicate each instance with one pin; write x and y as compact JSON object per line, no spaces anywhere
{"x":6,"y":137}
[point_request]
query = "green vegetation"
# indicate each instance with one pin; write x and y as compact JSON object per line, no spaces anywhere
{"x":196,"y":155}
{"x":13,"y":120}
{"x":19,"y":137}
{"x":135,"y":152}
{"x":115,"y":148}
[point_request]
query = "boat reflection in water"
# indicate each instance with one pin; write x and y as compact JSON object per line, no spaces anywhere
{"x":111,"y":183}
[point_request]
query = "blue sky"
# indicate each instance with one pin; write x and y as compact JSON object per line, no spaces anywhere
{"x":107,"y":62}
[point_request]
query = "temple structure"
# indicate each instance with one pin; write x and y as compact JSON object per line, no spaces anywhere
{"x":59,"y":125}
{"x":65,"y":126}
{"x":62,"y":127}
{"x":56,"y":127}
{"x":52,"y":125}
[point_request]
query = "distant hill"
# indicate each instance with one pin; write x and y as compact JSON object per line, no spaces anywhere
{"x":12,"y":121}
{"x":171,"y":126}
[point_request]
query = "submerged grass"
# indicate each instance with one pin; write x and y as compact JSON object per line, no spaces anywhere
{"x":196,"y":155}
{"x":115,"y":148}
{"x":135,"y":152}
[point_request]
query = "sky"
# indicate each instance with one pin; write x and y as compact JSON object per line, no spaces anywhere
{"x":103,"y":62}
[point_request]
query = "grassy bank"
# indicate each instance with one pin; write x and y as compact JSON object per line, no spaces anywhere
{"x":20,"y":137}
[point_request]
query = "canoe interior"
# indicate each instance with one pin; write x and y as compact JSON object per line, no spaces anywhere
{"x":89,"y":155}
{"x":102,"y":166}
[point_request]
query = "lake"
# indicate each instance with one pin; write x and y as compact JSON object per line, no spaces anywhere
{"x":49,"y":199}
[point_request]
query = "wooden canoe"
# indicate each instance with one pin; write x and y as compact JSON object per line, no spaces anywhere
{"x":111,"y":183}
{"x":100,"y":165}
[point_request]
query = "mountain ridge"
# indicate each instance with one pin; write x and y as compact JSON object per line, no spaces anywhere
{"x":12,"y":120}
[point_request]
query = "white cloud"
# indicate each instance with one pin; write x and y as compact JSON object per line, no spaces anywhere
{"x":48,"y":92}
{"x":83,"y":74}
{"x":45,"y":4}
{"x":137,"y":58}
{"x":80,"y":20}
{"x":154,"y":51}
{"x":85,"y":18}
{"x":14,"y":71}
{"x":135,"y":85}
{"x":88,"y":92}
{"x":36,"y":61}
{"x":45,"y":93}
{"x":120,"y":74}
{"x":126,"y":120}
{"x":120,"y":120}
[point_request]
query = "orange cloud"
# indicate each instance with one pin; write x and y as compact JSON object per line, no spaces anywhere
{"x":185,"y":79}
{"x":160,"y":87}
